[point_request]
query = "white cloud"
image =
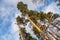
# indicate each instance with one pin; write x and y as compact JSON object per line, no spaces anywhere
{"x":29,"y":29}
{"x":14,"y":29}
{"x":10,"y":36}
{"x":30,"y":4}
{"x":14,"y":2}
{"x":38,"y":2}
{"x":52,"y":8}
{"x":12,"y":32}
{"x":19,"y":13}
{"x":33,"y":6}
{"x":7,"y":13}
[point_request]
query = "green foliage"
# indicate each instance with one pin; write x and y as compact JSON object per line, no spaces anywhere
{"x":22,"y":7}
{"x":19,"y":20}
{"x":33,"y":19}
{"x":32,"y":13}
{"x":49,"y":14}
{"x":55,"y":16}
{"x":58,"y":4}
{"x":34,"y":16}
{"x":41,"y":16}
{"x":36,"y":32}
{"x":27,"y":35}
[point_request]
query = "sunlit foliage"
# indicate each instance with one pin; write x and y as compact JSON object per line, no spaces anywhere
{"x":34,"y":16}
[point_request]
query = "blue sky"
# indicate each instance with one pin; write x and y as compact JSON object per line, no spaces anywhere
{"x":46,"y":3}
{"x":8,"y":11}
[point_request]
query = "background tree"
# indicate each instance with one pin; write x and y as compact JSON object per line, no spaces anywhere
{"x":55,"y":16}
{"x":48,"y":16}
{"x":34,"y":16}
{"x":58,"y":3}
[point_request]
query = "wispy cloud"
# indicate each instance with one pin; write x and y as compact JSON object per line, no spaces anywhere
{"x":8,"y":10}
{"x":34,"y":6}
{"x":52,"y":8}
{"x":30,"y":4}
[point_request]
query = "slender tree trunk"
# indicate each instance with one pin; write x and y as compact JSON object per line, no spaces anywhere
{"x":34,"y":25}
{"x":21,"y":33}
{"x":53,"y":35}
{"x":55,"y":26}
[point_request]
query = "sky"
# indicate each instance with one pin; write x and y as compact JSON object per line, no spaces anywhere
{"x":9,"y":11}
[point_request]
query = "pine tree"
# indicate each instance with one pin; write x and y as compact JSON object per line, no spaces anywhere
{"x":33,"y":16}
{"x":58,"y":3}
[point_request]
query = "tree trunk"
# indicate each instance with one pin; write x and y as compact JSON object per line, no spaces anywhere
{"x":34,"y":25}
